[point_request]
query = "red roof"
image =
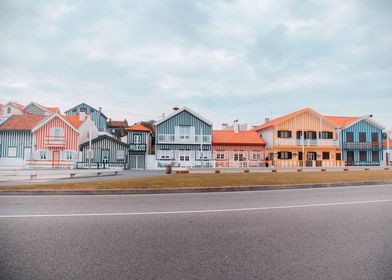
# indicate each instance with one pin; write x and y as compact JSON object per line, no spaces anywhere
{"x":229,"y":137}
{"x":117,"y":123}
{"x":341,"y":121}
{"x":280,"y":119}
{"x":138,"y":127}
{"x":53,"y":109}
{"x":22,"y":122}
{"x":74,"y":120}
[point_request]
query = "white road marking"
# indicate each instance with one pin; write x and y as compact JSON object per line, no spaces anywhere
{"x":194,"y":211}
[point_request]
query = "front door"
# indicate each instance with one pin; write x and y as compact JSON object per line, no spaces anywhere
{"x":105,"y":155}
{"x":350,"y":158}
{"x":312,"y":156}
{"x":136,"y":162}
{"x":56,"y":159}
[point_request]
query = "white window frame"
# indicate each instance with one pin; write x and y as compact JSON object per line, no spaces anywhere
{"x":12,"y":151}
{"x":43,"y":154}
{"x":185,"y":132}
{"x":137,"y":139}
{"x":57,"y":129}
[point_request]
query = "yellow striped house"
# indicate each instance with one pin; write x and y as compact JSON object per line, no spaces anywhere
{"x":305,"y":132}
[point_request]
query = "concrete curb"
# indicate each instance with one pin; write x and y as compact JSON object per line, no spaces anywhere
{"x":188,"y":190}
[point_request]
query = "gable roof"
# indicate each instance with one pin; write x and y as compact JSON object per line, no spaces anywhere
{"x":174,"y":113}
{"x":85,"y":105}
{"x":16,"y":105}
{"x":287,"y":117}
{"x":22,"y":122}
{"x":74,"y":120}
{"x":51,"y":117}
{"x":43,"y":108}
{"x":101,"y":137}
{"x":341,"y":121}
{"x":229,"y":137}
{"x":138,"y":127}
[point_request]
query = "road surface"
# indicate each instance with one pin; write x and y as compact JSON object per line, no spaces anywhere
{"x":329,"y":233}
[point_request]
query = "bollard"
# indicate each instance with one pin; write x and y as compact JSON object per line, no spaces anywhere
{"x":115,"y":172}
{"x":182,"y":172}
{"x":299,"y":170}
{"x":274,"y":170}
{"x":323,"y":170}
{"x":99,"y":173}
{"x":72,"y":175}
{"x":345,"y":169}
{"x":217,"y":171}
{"x":246,"y":171}
{"x":367,"y":169}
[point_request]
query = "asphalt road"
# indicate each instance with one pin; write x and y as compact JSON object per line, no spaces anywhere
{"x":332,"y":233}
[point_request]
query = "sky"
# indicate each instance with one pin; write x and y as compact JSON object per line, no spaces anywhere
{"x":226,"y":60}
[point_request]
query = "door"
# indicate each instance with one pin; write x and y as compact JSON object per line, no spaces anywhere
{"x":350,"y":158}
{"x":136,"y":162}
{"x":56,"y":159}
{"x":311,"y":157}
{"x":105,"y":155}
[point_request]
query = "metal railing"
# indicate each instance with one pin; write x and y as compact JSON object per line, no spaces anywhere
{"x":307,"y":142}
{"x":363,"y":145}
{"x":100,"y":165}
{"x":172,"y":138}
{"x":363,"y":163}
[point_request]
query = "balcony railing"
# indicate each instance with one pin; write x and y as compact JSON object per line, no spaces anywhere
{"x":363,"y":145}
{"x":307,"y":142}
{"x":172,"y":138}
{"x":55,"y":141}
{"x":137,"y":147}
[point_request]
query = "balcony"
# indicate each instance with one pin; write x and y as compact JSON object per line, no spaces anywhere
{"x":55,"y":141}
{"x":172,"y":138}
{"x":137,"y":147}
{"x":307,"y":142}
{"x":362,"y":145}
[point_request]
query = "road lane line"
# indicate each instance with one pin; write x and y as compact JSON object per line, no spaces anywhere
{"x":194,"y":211}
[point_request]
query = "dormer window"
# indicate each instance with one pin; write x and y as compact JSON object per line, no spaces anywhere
{"x":9,"y":110}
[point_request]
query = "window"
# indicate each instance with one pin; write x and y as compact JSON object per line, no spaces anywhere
{"x":350,"y":137}
{"x":220,"y":156}
{"x":57,"y":131}
{"x":326,"y":135}
{"x":255,"y":156}
{"x":9,"y":110}
{"x":338,"y":156}
{"x":362,"y":155}
{"x":299,"y":135}
{"x":120,"y":154}
{"x":284,"y":134}
{"x":11,"y":151}
{"x":184,"y":158}
{"x":185,"y":132}
{"x":326,"y":155}
{"x":285,"y":155}
{"x":84,"y":110}
{"x":375,"y":156}
{"x":362,"y":137}
{"x":375,"y":137}
{"x":68,"y":155}
{"x":137,"y":138}
{"x":312,"y":135}
{"x":43,"y":155}
{"x":239,"y":157}
{"x":300,"y":156}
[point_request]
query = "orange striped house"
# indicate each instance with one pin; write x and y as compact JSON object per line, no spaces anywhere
{"x":38,"y":141}
{"x":302,"y":138}
{"x":234,"y":148}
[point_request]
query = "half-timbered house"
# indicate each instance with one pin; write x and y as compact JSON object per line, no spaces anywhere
{"x":184,"y":139}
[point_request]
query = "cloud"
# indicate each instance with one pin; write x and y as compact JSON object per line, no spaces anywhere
{"x":137,"y":59}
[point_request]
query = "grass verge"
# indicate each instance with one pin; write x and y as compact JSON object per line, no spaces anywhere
{"x":216,"y":181}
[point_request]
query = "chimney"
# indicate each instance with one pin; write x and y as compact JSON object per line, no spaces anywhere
{"x":236,"y":126}
{"x":82,"y":116}
{"x":267,"y":120}
{"x":175,"y":108}
{"x":225,"y":126}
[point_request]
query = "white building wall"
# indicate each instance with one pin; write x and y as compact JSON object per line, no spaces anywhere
{"x":268,"y":136}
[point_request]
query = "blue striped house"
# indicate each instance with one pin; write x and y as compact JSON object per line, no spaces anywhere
{"x":97,"y":116}
{"x":139,"y":145}
{"x":106,"y":152}
{"x":183,"y":139}
{"x":360,"y":140}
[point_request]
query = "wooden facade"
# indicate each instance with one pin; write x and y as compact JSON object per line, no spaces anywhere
{"x":96,"y":115}
{"x":184,"y":139}
{"x":304,"y":132}
{"x":106,"y":152}
{"x":139,"y":145}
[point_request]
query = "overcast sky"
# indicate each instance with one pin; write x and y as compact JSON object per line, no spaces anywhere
{"x":224,"y":59}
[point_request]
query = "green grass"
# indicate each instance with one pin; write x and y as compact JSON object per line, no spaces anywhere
{"x":217,"y":180}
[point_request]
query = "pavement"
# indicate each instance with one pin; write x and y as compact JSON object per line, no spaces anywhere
{"x":327,"y":233}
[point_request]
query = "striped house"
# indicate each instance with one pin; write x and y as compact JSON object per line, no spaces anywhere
{"x":235,"y":148}
{"x":96,"y":115}
{"x":37,"y":109}
{"x":139,"y":145}
{"x":38,"y":141}
{"x":303,"y":138}
{"x":106,"y":152}
{"x":361,"y":140}
{"x":184,"y":139}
